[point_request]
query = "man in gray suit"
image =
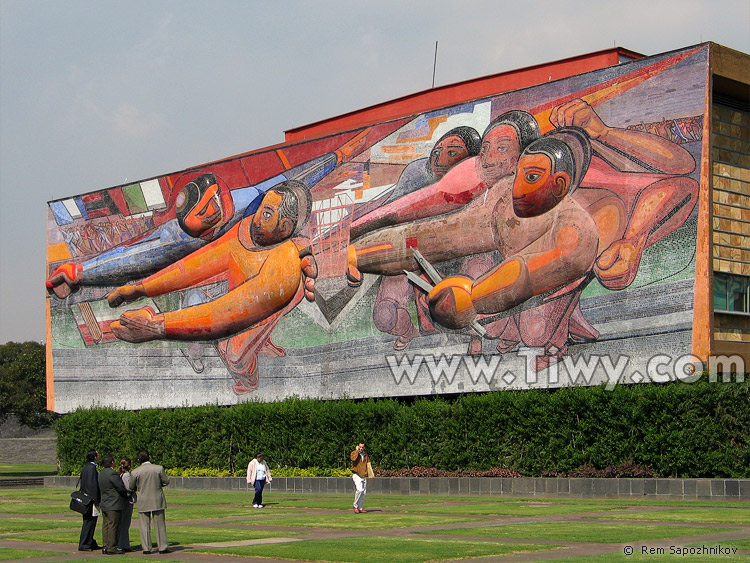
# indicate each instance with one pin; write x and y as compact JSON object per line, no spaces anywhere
{"x":148,"y":480}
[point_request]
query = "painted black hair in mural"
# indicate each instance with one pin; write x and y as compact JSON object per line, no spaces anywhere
{"x":296,"y":202}
{"x":191,"y":194}
{"x":569,"y":150}
{"x":468,"y":135}
{"x":523,"y":122}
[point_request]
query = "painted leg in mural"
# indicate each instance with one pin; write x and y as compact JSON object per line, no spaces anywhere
{"x":240,"y":352}
{"x":651,"y":212}
{"x":659,"y":210}
{"x":390,"y":314}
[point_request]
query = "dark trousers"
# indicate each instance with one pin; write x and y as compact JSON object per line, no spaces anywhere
{"x":124,"y":532}
{"x":87,"y":532}
{"x":258,"y":498}
{"x":110,"y":529}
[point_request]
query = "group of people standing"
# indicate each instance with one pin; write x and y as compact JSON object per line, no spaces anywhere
{"x":115,"y":492}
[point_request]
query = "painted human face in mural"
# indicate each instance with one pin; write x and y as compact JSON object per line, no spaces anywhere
{"x":268,"y":226}
{"x":201,"y":209}
{"x":499,"y":154}
{"x":447,"y":153}
{"x":537,"y":188}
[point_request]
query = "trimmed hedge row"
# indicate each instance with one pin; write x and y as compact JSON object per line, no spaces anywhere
{"x":676,"y":429}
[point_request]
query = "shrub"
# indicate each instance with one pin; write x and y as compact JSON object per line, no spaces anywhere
{"x":675,"y":429}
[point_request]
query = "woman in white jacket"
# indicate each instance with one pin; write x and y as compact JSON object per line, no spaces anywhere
{"x":258,"y":475}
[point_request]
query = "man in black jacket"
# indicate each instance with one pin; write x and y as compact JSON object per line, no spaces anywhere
{"x":112,"y":493}
{"x":90,"y":486}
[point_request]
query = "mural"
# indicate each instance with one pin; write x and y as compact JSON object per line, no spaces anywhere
{"x":343,"y":266}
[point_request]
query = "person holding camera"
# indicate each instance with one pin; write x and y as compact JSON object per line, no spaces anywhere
{"x":361,"y":470}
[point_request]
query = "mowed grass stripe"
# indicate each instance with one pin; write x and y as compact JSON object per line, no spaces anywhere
{"x":688,"y":515}
{"x":581,"y":532}
{"x":379,"y":550}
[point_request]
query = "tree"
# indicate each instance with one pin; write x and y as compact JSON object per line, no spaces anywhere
{"x":23,"y":389}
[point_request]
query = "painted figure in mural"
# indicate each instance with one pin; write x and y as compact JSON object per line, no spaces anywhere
{"x":499,"y":148}
{"x":549,"y":242}
{"x":390,"y":312}
{"x":454,"y":146}
{"x":267,"y":278}
{"x":629,"y":210}
{"x":205,"y":209}
{"x":547,"y":238}
{"x":502,"y":142}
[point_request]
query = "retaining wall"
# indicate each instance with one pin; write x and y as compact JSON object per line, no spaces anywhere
{"x":701,"y":489}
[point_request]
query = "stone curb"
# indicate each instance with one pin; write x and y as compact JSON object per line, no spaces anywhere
{"x":688,"y":489}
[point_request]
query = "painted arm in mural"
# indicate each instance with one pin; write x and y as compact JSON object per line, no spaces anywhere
{"x":174,"y":240}
{"x":564,"y":253}
{"x":460,"y":185}
{"x":165,"y":244}
{"x":651,"y":212}
{"x":654,"y":152}
{"x":266,"y":291}
{"x":261,"y":262}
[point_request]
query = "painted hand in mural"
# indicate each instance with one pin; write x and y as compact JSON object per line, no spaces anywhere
{"x":139,"y":326}
{"x":578,"y":113}
{"x":309,"y":268}
{"x":125,"y":294}
{"x":65,"y":280}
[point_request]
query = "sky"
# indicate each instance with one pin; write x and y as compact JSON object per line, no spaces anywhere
{"x":96,"y":93}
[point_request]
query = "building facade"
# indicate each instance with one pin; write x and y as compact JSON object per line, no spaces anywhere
{"x":582,"y":222}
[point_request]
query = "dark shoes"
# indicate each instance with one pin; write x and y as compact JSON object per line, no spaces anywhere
{"x":116,"y":551}
{"x":148,"y":552}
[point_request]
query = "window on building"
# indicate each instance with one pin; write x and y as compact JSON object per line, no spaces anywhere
{"x":731,"y":293}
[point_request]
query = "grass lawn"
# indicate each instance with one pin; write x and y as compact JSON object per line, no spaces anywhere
{"x":369,"y":521}
{"x":27,"y":469}
{"x":580,"y":532}
{"x":324,"y":528}
{"x":695,"y":514}
{"x":26,"y":507}
{"x":379,"y":550}
{"x":14,"y":525}
{"x":11,"y":554}
{"x":644,"y":558}
{"x":526,"y":508}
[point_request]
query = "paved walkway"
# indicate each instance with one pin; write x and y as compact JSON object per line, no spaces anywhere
{"x":573,"y":549}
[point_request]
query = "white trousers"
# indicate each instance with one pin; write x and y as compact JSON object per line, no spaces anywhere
{"x":360,"y":486}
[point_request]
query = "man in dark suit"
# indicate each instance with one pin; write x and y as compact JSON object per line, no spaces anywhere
{"x":90,"y":486}
{"x":148,"y":480}
{"x":112,"y":493}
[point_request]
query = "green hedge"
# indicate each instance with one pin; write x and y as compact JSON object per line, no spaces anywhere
{"x":676,"y":429}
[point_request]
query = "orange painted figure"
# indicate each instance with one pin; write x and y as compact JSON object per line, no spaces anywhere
{"x":267,"y":277}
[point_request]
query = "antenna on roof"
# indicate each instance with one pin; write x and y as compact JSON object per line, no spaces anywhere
{"x":434,"y":65}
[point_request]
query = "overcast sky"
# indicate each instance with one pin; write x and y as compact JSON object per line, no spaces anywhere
{"x":94,"y":93}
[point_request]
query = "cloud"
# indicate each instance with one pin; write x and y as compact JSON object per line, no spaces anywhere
{"x":131,"y":122}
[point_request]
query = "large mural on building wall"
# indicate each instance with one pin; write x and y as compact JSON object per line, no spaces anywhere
{"x":542,"y":237}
